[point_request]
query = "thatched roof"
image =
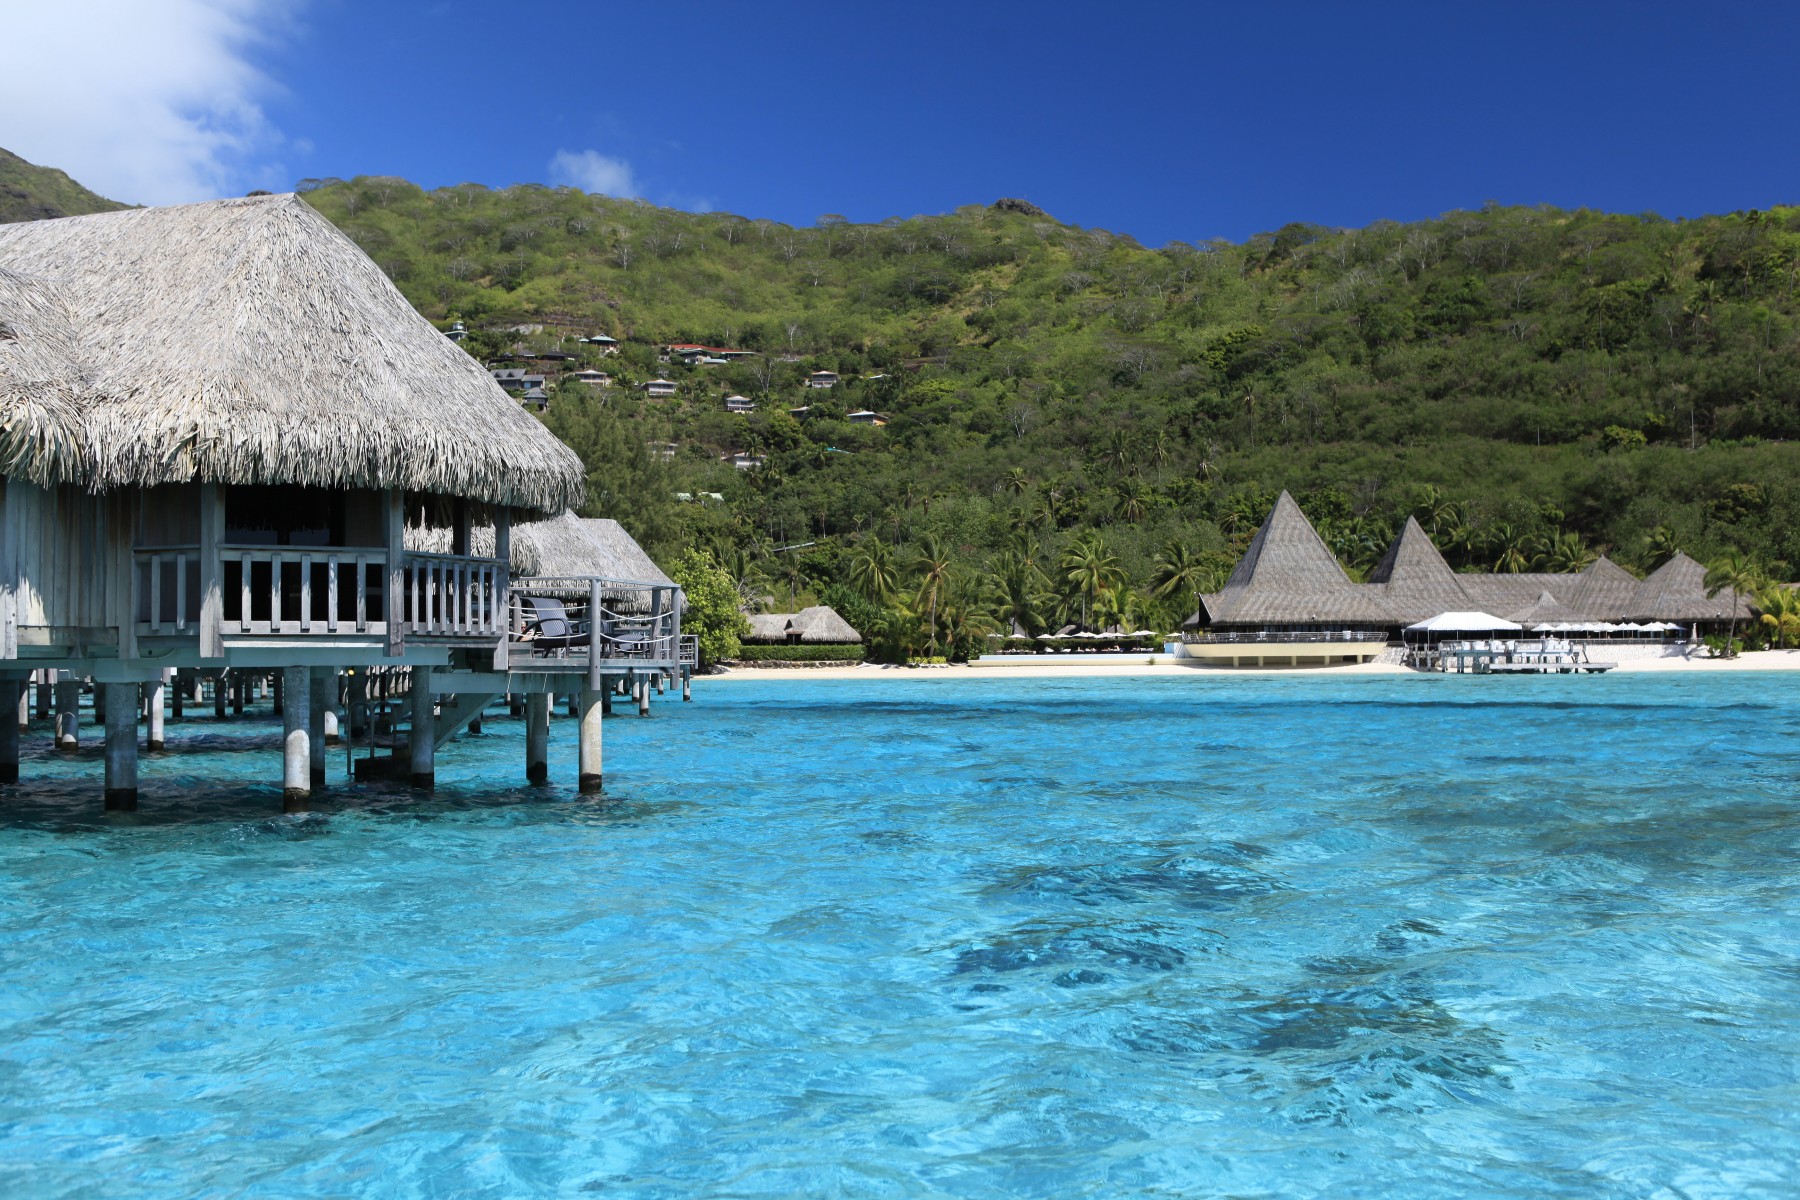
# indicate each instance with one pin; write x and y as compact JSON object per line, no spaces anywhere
{"x":249,"y":341}
{"x":1414,"y":579}
{"x":43,"y":384}
{"x":566,"y":547}
{"x":1288,"y":575}
{"x":819,"y":624}
{"x":1676,"y":591}
{"x":1606,"y":590}
{"x":1547,"y":610}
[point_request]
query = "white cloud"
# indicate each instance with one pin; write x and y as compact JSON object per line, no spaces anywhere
{"x":146,"y":101}
{"x":592,"y":171}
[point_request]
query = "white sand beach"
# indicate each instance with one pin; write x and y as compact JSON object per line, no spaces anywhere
{"x":1071,"y":667}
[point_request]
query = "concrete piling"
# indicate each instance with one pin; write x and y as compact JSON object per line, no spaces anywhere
{"x":537,"y":737}
{"x":588,"y":753}
{"x":68,"y":712}
{"x":153,"y":702}
{"x":318,"y":680}
{"x":424,"y":730}
{"x":296,"y":740}
{"x":120,"y":702}
{"x":14,"y":690}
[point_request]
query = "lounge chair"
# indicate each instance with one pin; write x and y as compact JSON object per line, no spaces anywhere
{"x":549,"y":629}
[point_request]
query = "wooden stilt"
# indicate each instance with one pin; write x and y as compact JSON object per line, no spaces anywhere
{"x":687,"y":687}
{"x":537,"y":737}
{"x":120,"y":702}
{"x":220,"y":687}
{"x":177,"y":695}
{"x":643,"y":696}
{"x":296,"y":741}
{"x":333,"y":707}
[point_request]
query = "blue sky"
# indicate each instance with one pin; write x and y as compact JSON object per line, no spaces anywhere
{"x":1164,"y":121}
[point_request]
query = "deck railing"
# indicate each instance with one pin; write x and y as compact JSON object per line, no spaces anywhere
{"x":1209,"y":637}
{"x":453,"y":595}
{"x":690,"y":650}
{"x":288,"y":590}
{"x":623,"y":620}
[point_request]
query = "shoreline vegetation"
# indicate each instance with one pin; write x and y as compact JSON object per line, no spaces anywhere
{"x":1163,"y":666}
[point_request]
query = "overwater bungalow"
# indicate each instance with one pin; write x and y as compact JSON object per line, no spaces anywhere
{"x":1289,"y":602}
{"x":221,"y":427}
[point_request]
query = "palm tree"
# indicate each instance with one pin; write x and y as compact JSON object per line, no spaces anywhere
{"x":1562,"y":554}
{"x":1091,"y":569}
{"x":1508,"y":546}
{"x":1738,"y":575}
{"x":1780,"y":612}
{"x":1660,"y":546}
{"x":1018,"y":591}
{"x":932,"y":562}
{"x":1134,"y":501}
{"x":1178,"y":571}
{"x":1016,"y":481}
{"x":872,"y":571}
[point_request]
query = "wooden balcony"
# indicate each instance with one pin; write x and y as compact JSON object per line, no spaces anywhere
{"x":325,"y":591}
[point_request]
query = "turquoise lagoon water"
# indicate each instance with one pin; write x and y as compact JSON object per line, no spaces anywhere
{"x":1186,"y":937}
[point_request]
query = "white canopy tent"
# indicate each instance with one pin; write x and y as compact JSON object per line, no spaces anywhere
{"x":1466,"y":622}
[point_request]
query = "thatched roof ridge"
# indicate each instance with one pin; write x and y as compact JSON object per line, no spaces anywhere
{"x":1499,"y":593}
{"x":43,"y":384}
{"x":1676,"y":591}
{"x":249,"y":341}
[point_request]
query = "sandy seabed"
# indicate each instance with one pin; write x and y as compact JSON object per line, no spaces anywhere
{"x":1762,"y":660}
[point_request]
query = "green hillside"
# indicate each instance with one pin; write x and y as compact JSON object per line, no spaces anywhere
{"x":32,"y":193}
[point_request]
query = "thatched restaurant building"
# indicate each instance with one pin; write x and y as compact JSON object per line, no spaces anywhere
{"x":1289,"y":602}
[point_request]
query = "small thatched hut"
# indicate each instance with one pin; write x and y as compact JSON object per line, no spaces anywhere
{"x":558,"y":552}
{"x":818,"y":625}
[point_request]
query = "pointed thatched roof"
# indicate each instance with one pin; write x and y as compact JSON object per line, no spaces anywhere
{"x":1414,"y":579}
{"x":1676,"y":591}
{"x":1288,"y":575}
{"x":1514,"y":593}
{"x":249,"y":341}
{"x":1547,"y":610}
{"x":1606,"y":590}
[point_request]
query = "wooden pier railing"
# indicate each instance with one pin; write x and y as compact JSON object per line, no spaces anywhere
{"x":598,"y":624}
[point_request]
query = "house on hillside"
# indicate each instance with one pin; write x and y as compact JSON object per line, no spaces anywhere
{"x":535,"y":398}
{"x":743,"y":460}
{"x":457,"y":331}
{"x":591,"y":378}
{"x":822,"y":379}
{"x":517,"y":379}
{"x":664,"y":451}
{"x":602,"y":343}
{"x":739,"y":404}
{"x":865,"y":417}
{"x":658,"y":389}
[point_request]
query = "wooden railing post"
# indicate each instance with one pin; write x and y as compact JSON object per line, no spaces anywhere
{"x":396,"y":551}
{"x":212,"y":572}
{"x":594,"y":677}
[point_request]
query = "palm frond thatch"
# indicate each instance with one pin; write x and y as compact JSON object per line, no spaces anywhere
{"x":249,"y":341}
{"x":43,"y":386}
